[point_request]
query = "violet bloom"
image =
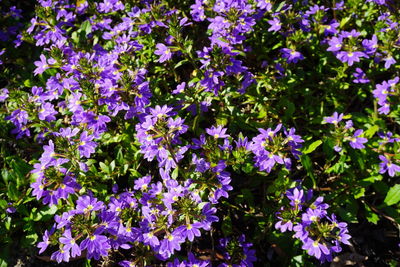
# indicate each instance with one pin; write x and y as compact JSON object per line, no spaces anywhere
{"x":388,"y":166}
{"x":86,"y":146}
{"x":370,"y":46}
{"x":217,"y":132}
{"x":60,"y":255}
{"x":142,"y":183}
{"x":70,"y":243}
{"x":3,"y":94}
{"x":296,"y":197}
{"x":314,"y":248}
{"x":284,"y":225}
{"x":170,"y":243}
{"x":86,"y":204}
{"x":46,"y":241}
{"x":179,"y":89}
{"x":331,"y":28}
{"x":387,"y":138}
{"x":164,"y":52}
{"x":360,"y":76}
{"x":150,"y":239}
{"x":189,"y":231}
{"x":335,"y":44}
{"x":276,"y":25}
{"x":389,"y":61}
{"x":264,"y":5}
{"x":96,"y":245}
{"x":47,"y":112}
{"x":357,"y":142}
{"x":43,"y":64}
{"x":334,"y":119}
{"x":350,"y":57}
{"x":292,"y":56}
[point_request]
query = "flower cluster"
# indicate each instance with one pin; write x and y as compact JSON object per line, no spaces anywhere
{"x":345,"y":47}
{"x":321,"y":234}
{"x":389,"y":147}
{"x":382,"y":93}
{"x":149,"y":124}
{"x":272,"y":147}
{"x":237,"y":252}
{"x":343,"y":132}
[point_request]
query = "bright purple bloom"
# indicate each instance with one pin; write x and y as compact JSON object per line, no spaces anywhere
{"x":70,"y":243}
{"x":60,"y":255}
{"x":360,"y":76}
{"x":86,"y":146}
{"x":217,"y":132}
{"x":170,"y":243}
{"x":357,"y":142}
{"x":3,"y":94}
{"x":334,"y":119}
{"x":296,"y":197}
{"x":276,"y":25}
{"x":292,"y":56}
{"x":350,"y":56}
{"x":97,"y":245}
{"x":164,"y":52}
{"x":43,"y":64}
{"x":388,"y":166}
{"x":314,"y":248}
{"x":389,"y":61}
{"x":86,"y":204}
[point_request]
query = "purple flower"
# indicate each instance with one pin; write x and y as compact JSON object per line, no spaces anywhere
{"x":331,"y":28}
{"x":86,"y":204}
{"x":357,"y":142}
{"x":170,"y":243}
{"x":335,"y":44}
{"x":46,"y":241}
{"x":189,"y":231}
{"x":60,"y":255}
{"x":388,"y":166}
{"x":86,"y":146}
{"x":296,"y":197}
{"x":70,"y":243}
{"x":389,"y":61}
{"x":164,"y":52}
{"x":370,"y":46}
{"x":276,"y":24}
{"x":314,"y":248}
{"x":47,"y":112}
{"x":264,"y":5}
{"x":292,"y":56}
{"x":360,"y":76}
{"x":334,"y":119}
{"x":350,"y":56}
{"x":217,"y":132}
{"x":43,"y":64}
{"x":283,"y":225}
{"x":3,"y":94}
{"x":150,"y":239}
{"x":97,"y":245}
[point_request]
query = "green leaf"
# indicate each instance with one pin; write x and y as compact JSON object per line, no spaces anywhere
{"x":86,"y":27}
{"x":311,"y":147}
{"x":307,"y":164}
{"x":175,"y":173}
{"x":344,"y":21}
{"x":371,"y":216}
{"x":393,"y":196}
{"x":104,"y":167}
{"x":359,"y":192}
{"x":371,"y":131}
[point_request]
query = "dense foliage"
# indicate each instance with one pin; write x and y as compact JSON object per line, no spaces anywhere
{"x":200,"y":133}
